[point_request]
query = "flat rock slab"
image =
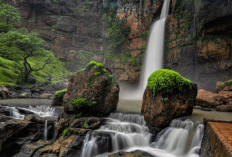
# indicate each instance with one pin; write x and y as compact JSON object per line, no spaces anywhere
{"x":25,"y":102}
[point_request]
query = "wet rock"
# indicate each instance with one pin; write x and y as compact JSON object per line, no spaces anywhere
{"x":136,"y":153}
{"x":224,"y":108}
{"x":45,"y":96}
{"x":15,"y":133}
{"x":86,"y":122}
{"x":4,"y":92}
{"x":25,"y":95}
{"x":168,"y":96}
{"x":207,"y":99}
{"x":92,"y":91}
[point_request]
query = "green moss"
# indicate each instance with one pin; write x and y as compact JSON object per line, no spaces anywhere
{"x":112,"y":79}
{"x":81,"y":102}
{"x":85,"y":125}
{"x":60,"y":94}
{"x":97,"y":74}
{"x":79,"y":71}
{"x":227,"y":83}
{"x":167,"y":81}
{"x":66,"y":132}
{"x":94,"y":64}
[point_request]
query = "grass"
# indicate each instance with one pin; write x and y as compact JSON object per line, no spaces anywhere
{"x":9,"y":72}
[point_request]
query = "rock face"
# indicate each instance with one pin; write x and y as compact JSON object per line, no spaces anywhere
{"x":92,"y":91}
{"x":167,"y":96}
{"x":222,"y":100}
{"x":207,"y":99}
{"x":198,"y":40}
{"x":76,"y":30}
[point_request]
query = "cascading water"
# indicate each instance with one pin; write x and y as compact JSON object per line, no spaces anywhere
{"x":153,"y":58}
{"x":45,"y":130}
{"x":14,"y":113}
{"x":128,"y":132}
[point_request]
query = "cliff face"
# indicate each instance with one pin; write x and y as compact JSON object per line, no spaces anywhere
{"x":72,"y":29}
{"x":198,"y":35}
{"x":77,"y":32}
{"x":198,"y":40}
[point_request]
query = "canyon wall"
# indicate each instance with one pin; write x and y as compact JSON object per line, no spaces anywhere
{"x":198,"y":40}
{"x":76,"y":31}
{"x":198,"y":35}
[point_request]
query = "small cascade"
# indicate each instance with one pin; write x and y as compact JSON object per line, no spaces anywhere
{"x":153,"y":58}
{"x":119,"y":132}
{"x":45,"y":130}
{"x":128,"y":132}
{"x":41,"y":111}
{"x":14,"y":113}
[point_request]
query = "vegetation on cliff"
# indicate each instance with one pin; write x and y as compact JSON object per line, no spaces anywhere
{"x":23,"y":53}
{"x":167,"y":81}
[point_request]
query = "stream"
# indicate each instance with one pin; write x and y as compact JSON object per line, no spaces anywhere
{"x":126,"y":130}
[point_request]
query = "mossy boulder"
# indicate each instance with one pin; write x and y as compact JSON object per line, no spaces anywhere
{"x":91,"y":91}
{"x":58,"y":97}
{"x":168,"y":96}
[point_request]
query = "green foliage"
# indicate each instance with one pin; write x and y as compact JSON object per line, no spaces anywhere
{"x":59,"y":95}
{"x":144,"y":35}
{"x":227,"y":83}
{"x":85,"y":125}
{"x":116,"y":28}
{"x":78,"y":103}
{"x":9,"y":16}
{"x":167,"y":81}
{"x":9,"y":71}
{"x":66,"y":132}
{"x":26,"y":49}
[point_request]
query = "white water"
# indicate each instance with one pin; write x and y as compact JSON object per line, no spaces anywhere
{"x":128,"y":132}
{"x":14,"y":113}
{"x":46,"y":130}
{"x":42,"y":111}
{"x":154,"y":56}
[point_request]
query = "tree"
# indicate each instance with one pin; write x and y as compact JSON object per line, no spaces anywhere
{"x":9,"y":16}
{"x":21,"y":45}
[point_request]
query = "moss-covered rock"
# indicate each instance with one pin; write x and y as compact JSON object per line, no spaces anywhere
{"x":168,"y":96}
{"x":168,"y":81}
{"x":58,"y":97}
{"x":92,"y":91}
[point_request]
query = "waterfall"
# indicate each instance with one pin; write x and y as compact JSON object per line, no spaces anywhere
{"x":128,"y":132}
{"x":41,"y":111}
{"x":14,"y":113}
{"x":154,"y":55}
{"x":45,"y":130}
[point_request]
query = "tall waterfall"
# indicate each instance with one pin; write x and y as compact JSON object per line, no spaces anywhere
{"x":128,"y":132}
{"x":154,"y":55}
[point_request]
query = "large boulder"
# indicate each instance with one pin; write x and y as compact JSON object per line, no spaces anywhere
{"x":91,"y":91}
{"x":168,"y":96}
